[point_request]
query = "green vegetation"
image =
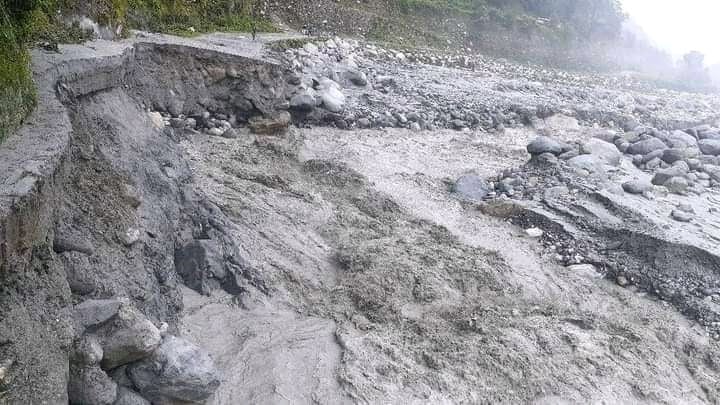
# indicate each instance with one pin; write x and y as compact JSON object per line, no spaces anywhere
{"x":27,"y":22}
{"x":584,"y":19}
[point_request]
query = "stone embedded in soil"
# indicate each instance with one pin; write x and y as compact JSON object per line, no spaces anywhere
{"x":275,"y":124}
{"x":646,"y":146}
{"x":471,"y":187}
{"x":90,"y":385}
{"x":87,"y":351}
{"x":130,"y":236}
{"x":94,"y":312}
{"x":177,"y":371}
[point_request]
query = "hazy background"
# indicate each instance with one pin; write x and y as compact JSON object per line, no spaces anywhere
{"x":679,"y":26}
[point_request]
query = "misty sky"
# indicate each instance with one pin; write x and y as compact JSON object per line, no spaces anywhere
{"x":679,"y":26}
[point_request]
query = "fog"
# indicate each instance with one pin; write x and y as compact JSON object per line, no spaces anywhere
{"x":679,"y":26}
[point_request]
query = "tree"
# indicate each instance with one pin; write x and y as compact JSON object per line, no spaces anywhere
{"x":693,"y":73}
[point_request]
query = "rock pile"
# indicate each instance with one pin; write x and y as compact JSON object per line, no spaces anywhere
{"x":121,"y":357}
{"x":352,"y":84}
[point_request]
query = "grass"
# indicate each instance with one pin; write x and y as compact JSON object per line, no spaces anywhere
{"x":442,"y":6}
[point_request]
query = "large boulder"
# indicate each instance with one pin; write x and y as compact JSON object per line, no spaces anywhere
{"x":471,"y":187}
{"x":177,"y":371}
{"x":607,"y":152}
{"x":130,"y":336}
{"x":710,"y":146}
{"x":646,"y":146}
{"x":332,"y":98}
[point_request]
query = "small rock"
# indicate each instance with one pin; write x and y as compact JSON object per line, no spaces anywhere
{"x":646,"y":146}
{"x":710,"y":146}
{"x":177,"y":122}
{"x":130,"y":237}
{"x":685,"y":207}
{"x":364,"y":123}
{"x":356,"y":77}
{"x":590,"y":163}
{"x":680,"y":139}
{"x":677,"y":185}
{"x":5,"y":369}
{"x":94,"y":312}
{"x":663,"y":175}
{"x":471,"y":187}
{"x":656,"y":154}
{"x":622,"y":281}
{"x":637,"y":186}
{"x":673,"y":155}
{"x":215,"y":132}
{"x":546,"y":159}
{"x":303,"y":101}
{"x":605,"y":151}
{"x":569,"y":155}
{"x":157,"y":119}
{"x":681,"y":216}
{"x":534,"y":233}
{"x":544,"y":144}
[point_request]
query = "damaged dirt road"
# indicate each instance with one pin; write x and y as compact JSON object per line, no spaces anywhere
{"x":326,"y":265}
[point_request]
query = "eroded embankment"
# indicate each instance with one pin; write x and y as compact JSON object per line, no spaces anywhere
{"x":350,"y":272}
{"x":98,"y":203}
